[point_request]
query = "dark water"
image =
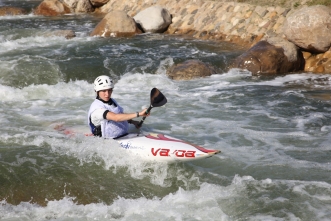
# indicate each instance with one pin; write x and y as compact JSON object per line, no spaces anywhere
{"x":274,"y":133}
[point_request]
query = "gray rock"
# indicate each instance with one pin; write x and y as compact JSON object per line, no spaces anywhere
{"x":190,"y":69}
{"x":310,"y":28}
{"x":116,"y":24}
{"x":51,"y":8}
{"x":155,"y":19}
{"x":68,"y":34}
{"x":267,"y":59}
{"x":290,"y":49}
{"x":79,"y":6}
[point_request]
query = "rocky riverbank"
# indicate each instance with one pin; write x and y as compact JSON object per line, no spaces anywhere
{"x":237,"y":22}
{"x":240,"y":23}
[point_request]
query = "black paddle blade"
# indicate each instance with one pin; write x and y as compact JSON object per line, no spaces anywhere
{"x":157,"y":98}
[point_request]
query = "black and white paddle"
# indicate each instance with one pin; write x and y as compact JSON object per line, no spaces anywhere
{"x":157,"y":100}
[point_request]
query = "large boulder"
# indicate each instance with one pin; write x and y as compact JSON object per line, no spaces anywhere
{"x":51,"y":8}
{"x":60,"y":7}
{"x":155,"y":19}
{"x":310,"y":28}
{"x":116,"y":24}
{"x":291,"y":51}
{"x":190,"y":69}
{"x":5,"y":11}
{"x":271,"y":58}
{"x":79,"y":6}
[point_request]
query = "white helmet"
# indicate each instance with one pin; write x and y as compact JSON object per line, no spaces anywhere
{"x":103,"y":82}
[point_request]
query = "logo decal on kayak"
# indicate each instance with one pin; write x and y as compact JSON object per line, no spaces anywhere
{"x":130,"y":146}
{"x":178,"y":153}
{"x":163,"y":152}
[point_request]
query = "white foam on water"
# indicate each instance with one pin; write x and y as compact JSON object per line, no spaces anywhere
{"x":18,"y":17}
{"x":300,"y":79}
{"x":72,"y":89}
{"x":179,"y":206}
{"x":312,"y":118}
{"x":210,"y":202}
{"x":86,"y":150}
{"x":26,"y":43}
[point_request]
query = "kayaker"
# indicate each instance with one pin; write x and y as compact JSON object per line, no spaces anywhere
{"x":106,"y":117}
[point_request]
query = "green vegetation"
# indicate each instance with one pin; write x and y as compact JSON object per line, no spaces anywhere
{"x":319,"y":2}
{"x":297,"y":4}
{"x":282,"y":3}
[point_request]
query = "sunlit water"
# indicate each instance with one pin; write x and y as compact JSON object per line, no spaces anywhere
{"x":274,"y":133}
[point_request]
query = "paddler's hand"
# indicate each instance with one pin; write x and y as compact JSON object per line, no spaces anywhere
{"x":143,"y":113}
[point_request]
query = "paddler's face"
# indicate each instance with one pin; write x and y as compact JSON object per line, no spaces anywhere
{"x":105,"y":94}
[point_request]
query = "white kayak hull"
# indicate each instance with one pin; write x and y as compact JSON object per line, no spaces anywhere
{"x":153,"y":146}
{"x":159,"y":147}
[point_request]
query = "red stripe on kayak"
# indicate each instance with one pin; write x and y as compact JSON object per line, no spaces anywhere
{"x":162,"y":137}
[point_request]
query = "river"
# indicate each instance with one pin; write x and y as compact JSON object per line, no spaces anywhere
{"x":274,"y":133}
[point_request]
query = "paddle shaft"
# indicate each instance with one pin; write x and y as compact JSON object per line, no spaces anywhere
{"x":147,"y":111}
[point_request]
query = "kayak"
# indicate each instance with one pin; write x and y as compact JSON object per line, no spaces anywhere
{"x":152,"y":146}
{"x":160,"y":147}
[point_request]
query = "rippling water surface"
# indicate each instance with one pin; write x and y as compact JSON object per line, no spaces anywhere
{"x":274,"y":133}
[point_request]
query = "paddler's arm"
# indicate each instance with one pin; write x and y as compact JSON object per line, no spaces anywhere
{"x":108,"y":115}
